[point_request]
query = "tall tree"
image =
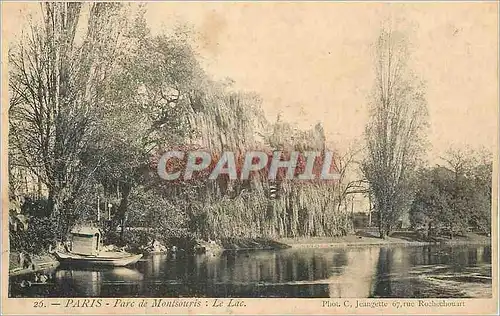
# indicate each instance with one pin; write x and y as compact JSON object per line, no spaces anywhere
{"x":394,"y":133}
{"x":150,"y":99}
{"x":56,"y":74}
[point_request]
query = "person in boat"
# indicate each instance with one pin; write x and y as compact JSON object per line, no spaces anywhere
{"x":63,"y":246}
{"x":67,"y":246}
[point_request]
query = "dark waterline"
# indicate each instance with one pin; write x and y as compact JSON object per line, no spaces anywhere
{"x":405,"y":272}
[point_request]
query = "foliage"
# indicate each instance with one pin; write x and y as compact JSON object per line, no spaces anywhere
{"x":55,"y":82}
{"x":454,"y":198}
{"x":41,"y":233}
{"x":151,"y":210}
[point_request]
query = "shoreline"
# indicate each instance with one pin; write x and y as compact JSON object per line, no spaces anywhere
{"x":385,"y":243}
{"x":363,"y":239}
{"x":359,"y":239}
{"x":40,"y":263}
{"x":46,"y":261}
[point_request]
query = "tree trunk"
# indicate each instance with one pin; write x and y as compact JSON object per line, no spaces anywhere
{"x":122,"y":230}
{"x":383,"y":234}
{"x":122,"y":208}
{"x":369,"y":209}
{"x":380,"y":224}
{"x":55,"y":211}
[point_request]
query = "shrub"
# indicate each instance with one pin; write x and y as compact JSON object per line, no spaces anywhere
{"x":41,"y":233}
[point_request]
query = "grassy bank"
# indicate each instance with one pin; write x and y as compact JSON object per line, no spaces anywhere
{"x":364,"y":238}
{"x":251,"y":244}
{"x":360,"y":239}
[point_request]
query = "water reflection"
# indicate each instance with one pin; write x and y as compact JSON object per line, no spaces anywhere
{"x":352,"y":276}
{"x":353,"y":272}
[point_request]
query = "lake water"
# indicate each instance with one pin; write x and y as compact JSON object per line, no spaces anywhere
{"x":403,"y":272}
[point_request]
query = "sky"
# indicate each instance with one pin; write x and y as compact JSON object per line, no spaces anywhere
{"x":313,"y":62}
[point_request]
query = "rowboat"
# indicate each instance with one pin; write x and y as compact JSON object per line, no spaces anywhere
{"x":108,"y":258}
{"x":86,"y":249}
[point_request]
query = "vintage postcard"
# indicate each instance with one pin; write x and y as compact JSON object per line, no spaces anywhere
{"x":249,"y":157}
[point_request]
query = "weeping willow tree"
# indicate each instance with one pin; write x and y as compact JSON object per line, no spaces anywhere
{"x":224,"y":120}
{"x":229,"y":208}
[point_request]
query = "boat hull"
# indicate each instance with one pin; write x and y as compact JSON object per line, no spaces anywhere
{"x":104,"y":260}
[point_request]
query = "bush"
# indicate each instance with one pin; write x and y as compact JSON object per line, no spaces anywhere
{"x":41,"y":233}
{"x":136,"y":241}
{"x":139,"y":240}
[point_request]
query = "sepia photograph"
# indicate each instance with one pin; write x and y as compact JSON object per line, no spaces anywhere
{"x":321,"y":150}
